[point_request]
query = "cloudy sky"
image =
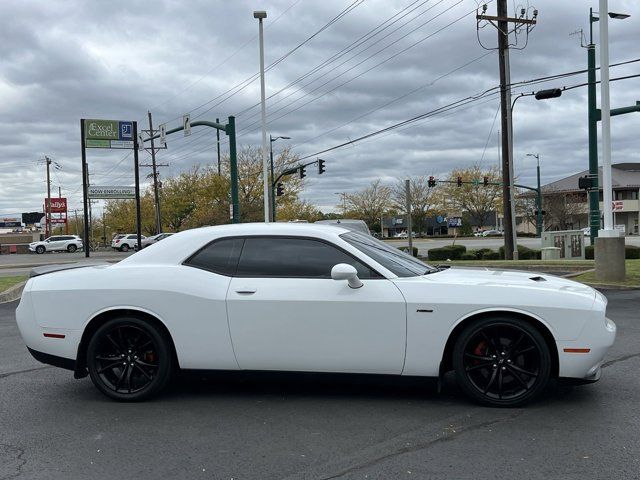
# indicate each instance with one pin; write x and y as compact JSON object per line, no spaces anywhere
{"x":372,"y":63}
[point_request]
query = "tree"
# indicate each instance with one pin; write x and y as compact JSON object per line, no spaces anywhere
{"x":562,"y":208}
{"x":477,"y":200}
{"x":369,"y":204}
{"x":423,"y":200}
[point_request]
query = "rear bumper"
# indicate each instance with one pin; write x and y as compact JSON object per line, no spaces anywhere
{"x":66,"y":363}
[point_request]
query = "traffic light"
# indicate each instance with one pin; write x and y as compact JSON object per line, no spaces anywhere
{"x":279,"y":190}
{"x":303,"y":172}
{"x":431,"y":182}
{"x":459,"y":181}
{"x":321,"y":168}
{"x":585,"y":183}
{"x":485,"y":181}
{"x":550,"y":93}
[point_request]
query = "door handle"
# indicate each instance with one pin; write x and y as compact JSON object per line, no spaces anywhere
{"x":246,"y":291}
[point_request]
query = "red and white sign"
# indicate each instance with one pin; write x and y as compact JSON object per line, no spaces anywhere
{"x":62,"y":220}
{"x":58,"y":205}
{"x":617,"y":205}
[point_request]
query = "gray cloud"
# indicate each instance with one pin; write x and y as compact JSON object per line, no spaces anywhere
{"x":61,"y":61}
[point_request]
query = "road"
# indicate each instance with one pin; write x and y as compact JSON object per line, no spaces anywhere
{"x":13,"y":265}
{"x":234,"y":427}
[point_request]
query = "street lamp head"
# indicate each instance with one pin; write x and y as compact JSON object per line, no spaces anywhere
{"x":618,"y":16}
{"x":260,"y":14}
{"x":549,"y":93}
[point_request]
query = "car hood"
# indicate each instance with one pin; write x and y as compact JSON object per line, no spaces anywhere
{"x":506,"y":286}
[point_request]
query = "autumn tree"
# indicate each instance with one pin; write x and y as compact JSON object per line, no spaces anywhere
{"x":478,"y":201}
{"x":423,"y":200}
{"x":369,"y":204}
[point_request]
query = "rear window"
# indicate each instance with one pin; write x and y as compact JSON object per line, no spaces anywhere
{"x":220,"y":256}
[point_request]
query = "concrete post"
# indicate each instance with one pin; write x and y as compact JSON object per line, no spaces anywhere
{"x":609,"y":255}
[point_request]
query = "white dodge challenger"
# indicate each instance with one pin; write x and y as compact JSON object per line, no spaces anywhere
{"x":310,"y":298}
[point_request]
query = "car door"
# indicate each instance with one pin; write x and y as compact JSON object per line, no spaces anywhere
{"x":286,"y":313}
{"x":55,"y":243}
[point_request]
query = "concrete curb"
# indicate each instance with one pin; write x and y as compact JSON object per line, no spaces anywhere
{"x":13,"y":293}
{"x":576,"y":274}
{"x":607,"y":286}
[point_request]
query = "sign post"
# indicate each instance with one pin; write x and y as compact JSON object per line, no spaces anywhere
{"x":116,"y":134}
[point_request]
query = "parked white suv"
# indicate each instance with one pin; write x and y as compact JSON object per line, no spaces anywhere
{"x":68,"y":243}
{"x":124,"y":243}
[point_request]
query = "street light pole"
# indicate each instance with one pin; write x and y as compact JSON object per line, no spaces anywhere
{"x":538,"y":196}
{"x":260,"y":15}
{"x":594,"y":192}
{"x":605,"y":108}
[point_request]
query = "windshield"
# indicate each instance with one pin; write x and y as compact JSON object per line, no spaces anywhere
{"x":394,"y":260}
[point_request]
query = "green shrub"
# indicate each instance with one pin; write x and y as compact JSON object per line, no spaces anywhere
{"x":449,"y":252}
{"x":468,"y":256}
{"x":524,"y":253}
{"x":492,"y":255}
{"x":481,"y":252}
{"x":406,"y":249}
{"x":588,"y":252}
{"x":631,"y":252}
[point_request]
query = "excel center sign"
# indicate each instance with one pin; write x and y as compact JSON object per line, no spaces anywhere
{"x":108,"y":134}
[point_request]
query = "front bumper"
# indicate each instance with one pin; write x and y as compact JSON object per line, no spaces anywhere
{"x":575,"y":363}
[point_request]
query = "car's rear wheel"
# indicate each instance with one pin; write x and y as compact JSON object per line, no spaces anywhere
{"x":40,"y":249}
{"x":72,"y":248}
{"x":129,"y":359}
{"x":502,"y":361}
{"x":124,"y":248}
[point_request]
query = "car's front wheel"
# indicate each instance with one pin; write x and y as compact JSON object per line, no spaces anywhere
{"x":40,"y":249}
{"x":502,"y":361}
{"x":129,"y":359}
{"x":72,"y":248}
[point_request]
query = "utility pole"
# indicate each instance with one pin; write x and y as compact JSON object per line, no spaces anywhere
{"x":156,"y":196}
{"x":407,"y":187}
{"x":48,"y":221}
{"x":501,"y":22}
{"x":218,"y":144}
{"x":594,"y":193}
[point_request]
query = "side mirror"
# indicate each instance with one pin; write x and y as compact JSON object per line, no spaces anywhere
{"x":47,"y":241}
{"x":344,"y":271}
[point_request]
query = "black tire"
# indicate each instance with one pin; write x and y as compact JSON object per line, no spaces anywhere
{"x":129,"y":359}
{"x":502,"y":361}
{"x":72,"y":248}
{"x":40,"y":249}
{"x":124,"y":248}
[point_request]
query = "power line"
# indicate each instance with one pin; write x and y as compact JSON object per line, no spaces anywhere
{"x":245,"y":83}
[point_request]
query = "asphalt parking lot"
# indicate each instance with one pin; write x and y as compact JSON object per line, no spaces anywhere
{"x":234,"y":427}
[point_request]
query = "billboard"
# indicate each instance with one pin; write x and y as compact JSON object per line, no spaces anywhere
{"x":111,"y":192}
{"x":10,"y":222}
{"x":108,"y":133}
{"x":58,"y":205}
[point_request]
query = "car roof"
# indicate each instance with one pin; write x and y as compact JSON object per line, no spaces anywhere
{"x":176,"y":248}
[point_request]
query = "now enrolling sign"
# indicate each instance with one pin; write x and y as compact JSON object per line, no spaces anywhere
{"x":111,"y":192}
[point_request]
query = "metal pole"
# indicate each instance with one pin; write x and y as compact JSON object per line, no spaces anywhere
{"x":272,"y":194}
{"x":594,"y":193}
{"x":48,"y":222}
{"x":156,"y":195}
{"x":265,"y":154}
{"x":233,"y":169}
{"x":218,"y":144}
{"x":606,"y":121}
{"x":505,"y":107}
{"x":85,"y":190}
{"x":137,"y":178}
{"x":539,"y":219}
{"x":407,"y":188}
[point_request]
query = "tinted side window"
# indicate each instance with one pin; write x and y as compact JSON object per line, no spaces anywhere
{"x":293,"y":257}
{"x":219,"y":257}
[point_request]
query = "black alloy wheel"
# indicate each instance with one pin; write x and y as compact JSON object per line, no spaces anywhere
{"x":40,"y":249}
{"x":124,"y":248}
{"x":129,"y":359}
{"x":72,"y":248}
{"x":502,"y":362}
